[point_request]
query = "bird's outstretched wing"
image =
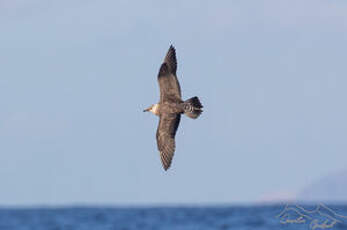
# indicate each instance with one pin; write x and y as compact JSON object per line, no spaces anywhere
{"x":168,"y":124}
{"x":170,"y":89}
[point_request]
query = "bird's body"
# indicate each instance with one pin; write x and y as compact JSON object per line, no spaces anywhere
{"x":170,"y":108}
{"x":167,"y":107}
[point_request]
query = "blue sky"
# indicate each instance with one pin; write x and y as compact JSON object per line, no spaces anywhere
{"x":76,"y":75}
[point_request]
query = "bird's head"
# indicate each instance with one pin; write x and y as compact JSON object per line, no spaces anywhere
{"x":153,"y":109}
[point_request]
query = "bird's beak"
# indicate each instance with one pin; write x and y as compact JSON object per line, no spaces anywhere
{"x":146,"y":110}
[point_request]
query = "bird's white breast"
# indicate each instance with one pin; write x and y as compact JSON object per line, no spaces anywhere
{"x":155,"y":109}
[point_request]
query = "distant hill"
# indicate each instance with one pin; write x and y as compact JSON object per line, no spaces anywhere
{"x":332,"y":188}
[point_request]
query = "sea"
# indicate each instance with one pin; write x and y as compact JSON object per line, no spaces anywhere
{"x":258,"y":217}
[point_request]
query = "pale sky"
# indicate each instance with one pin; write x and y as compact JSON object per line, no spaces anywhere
{"x":76,"y":75}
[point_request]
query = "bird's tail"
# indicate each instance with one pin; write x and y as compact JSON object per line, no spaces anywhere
{"x":192,"y":107}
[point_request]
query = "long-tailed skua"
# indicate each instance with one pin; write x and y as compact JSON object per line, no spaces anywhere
{"x":170,"y":107}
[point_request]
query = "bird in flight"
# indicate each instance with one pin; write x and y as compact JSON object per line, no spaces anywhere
{"x":170,"y":108}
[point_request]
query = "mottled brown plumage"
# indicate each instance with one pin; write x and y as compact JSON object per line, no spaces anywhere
{"x":170,"y":89}
{"x":170,"y":108}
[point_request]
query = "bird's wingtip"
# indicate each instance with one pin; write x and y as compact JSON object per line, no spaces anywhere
{"x":170,"y":59}
{"x":166,"y":168}
{"x":172,"y":47}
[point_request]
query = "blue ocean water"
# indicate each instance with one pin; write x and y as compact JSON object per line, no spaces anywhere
{"x":274,"y":217}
